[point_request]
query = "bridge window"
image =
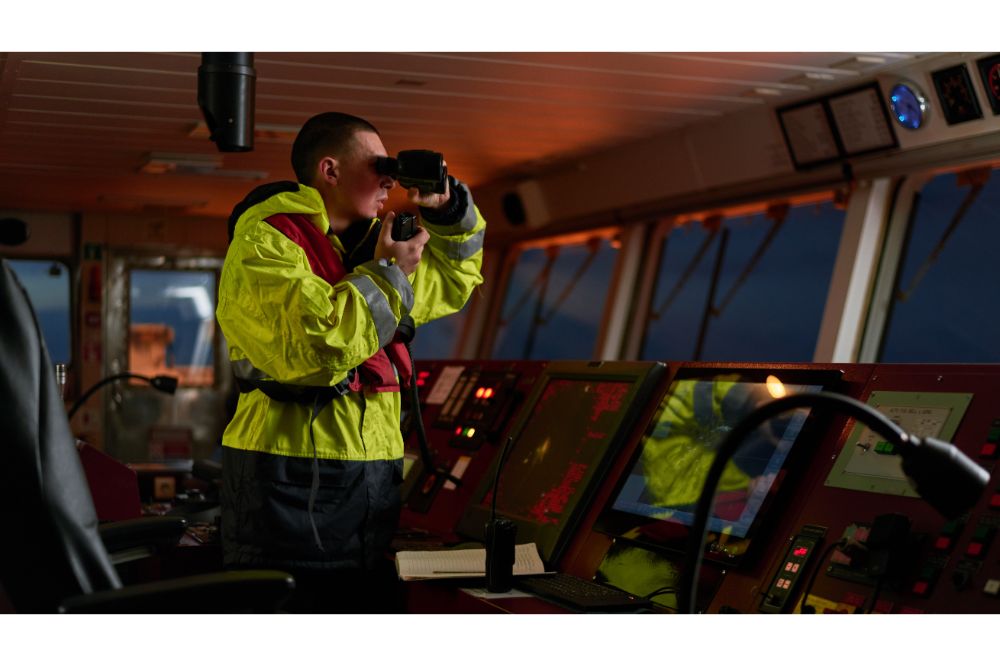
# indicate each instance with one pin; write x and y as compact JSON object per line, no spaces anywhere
{"x":172,"y":325}
{"x":47,"y":284}
{"x":943,"y":308}
{"x":555,"y":299}
{"x":744,"y":287}
{"x":439,"y":338}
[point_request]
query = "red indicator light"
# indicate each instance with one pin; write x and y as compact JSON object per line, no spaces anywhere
{"x":458,"y":431}
{"x":800,"y":552}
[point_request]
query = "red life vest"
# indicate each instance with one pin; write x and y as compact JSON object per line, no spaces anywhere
{"x":375,"y":374}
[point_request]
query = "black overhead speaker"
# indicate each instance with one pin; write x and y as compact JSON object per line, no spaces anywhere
{"x":226,"y":83}
{"x":13,"y":231}
{"x":513,"y":209}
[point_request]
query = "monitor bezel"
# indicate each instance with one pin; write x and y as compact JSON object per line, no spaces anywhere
{"x":644,"y":377}
{"x":731,"y":551}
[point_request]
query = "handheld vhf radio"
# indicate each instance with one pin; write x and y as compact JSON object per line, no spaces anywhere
{"x":404,"y":226}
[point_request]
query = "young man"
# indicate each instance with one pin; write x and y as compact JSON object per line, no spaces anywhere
{"x":312,"y":290}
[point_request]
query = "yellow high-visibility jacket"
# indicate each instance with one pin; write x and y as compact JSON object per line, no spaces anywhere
{"x":284,"y":323}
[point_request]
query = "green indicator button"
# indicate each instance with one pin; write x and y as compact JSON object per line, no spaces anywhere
{"x":994,"y":435}
{"x":982,"y":533}
{"x":951,"y":528}
{"x":885,"y":448}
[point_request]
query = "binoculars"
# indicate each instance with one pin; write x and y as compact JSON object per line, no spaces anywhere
{"x":422,"y":169}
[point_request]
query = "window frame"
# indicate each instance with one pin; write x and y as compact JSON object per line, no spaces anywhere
{"x":902,"y":215}
{"x":72,"y":274}
{"x":510,"y":257}
{"x":118,"y":345}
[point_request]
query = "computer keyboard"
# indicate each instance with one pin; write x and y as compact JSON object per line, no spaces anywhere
{"x":579,"y":594}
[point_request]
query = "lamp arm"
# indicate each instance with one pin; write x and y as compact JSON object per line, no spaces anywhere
{"x":89,"y":392}
{"x":688,"y":586}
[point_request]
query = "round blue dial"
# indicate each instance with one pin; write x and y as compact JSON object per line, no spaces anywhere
{"x":908,"y":104}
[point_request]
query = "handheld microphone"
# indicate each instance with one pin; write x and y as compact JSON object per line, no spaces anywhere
{"x":500,"y":536}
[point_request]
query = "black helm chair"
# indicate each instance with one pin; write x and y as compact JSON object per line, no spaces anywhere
{"x":53,"y":558}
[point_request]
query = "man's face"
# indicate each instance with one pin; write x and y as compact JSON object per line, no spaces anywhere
{"x":360,"y":191}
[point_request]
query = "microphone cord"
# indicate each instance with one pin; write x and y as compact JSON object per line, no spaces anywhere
{"x":425,"y":450}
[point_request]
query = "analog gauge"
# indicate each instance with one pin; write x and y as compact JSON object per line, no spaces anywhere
{"x":989,"y":72}
{"x":993,"y":80}
{"x":908,"y":104}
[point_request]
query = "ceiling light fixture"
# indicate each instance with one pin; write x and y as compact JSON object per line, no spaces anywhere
{"x":193,"y":164}
{"x":160,"y":163}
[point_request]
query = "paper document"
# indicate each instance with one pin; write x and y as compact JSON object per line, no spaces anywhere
{"x":423,"y":564}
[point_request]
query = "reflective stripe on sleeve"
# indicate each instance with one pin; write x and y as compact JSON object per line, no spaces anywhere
{"x":395,"y":276}
{"x":382,"y":316}
{"x":468,"y":221}
{"x":460,"y":250}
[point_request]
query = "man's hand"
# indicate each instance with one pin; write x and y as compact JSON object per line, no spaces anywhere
{"x":430,"y":199}
{"x":405,"y":254}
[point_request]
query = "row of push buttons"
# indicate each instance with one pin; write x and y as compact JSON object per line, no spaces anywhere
{"x":991,"y":449}
{"x":977,"y":547}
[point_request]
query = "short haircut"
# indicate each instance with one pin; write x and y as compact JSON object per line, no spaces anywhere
{"x":322,"y":135}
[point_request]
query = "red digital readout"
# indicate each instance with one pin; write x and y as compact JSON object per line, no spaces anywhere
{"x":800,"y":552}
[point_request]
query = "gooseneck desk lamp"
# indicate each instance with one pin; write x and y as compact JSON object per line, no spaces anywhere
{"x":941,"y":474}
{"x":163,"y":383}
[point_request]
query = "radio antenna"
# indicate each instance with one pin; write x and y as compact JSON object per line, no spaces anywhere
{"x":496,"y":480}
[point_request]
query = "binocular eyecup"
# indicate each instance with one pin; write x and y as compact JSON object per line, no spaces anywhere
{"x":423,"y":169}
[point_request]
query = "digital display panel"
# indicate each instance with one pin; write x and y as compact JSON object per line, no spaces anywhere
{"x":862,"y":120}
{"x":559,"y":451}
{"x":655,"y":499}
{"x":841,"y":125}
{"x":808,"y":134}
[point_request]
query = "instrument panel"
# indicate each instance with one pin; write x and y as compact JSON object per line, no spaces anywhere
{"x":842,"y":531}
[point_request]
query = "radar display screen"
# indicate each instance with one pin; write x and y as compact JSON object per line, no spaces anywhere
{"x":654,"y":502}
{"x":574,"y":420}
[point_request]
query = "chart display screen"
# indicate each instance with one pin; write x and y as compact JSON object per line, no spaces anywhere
{"x":655,"y":499}
{"x":559,"y":450}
